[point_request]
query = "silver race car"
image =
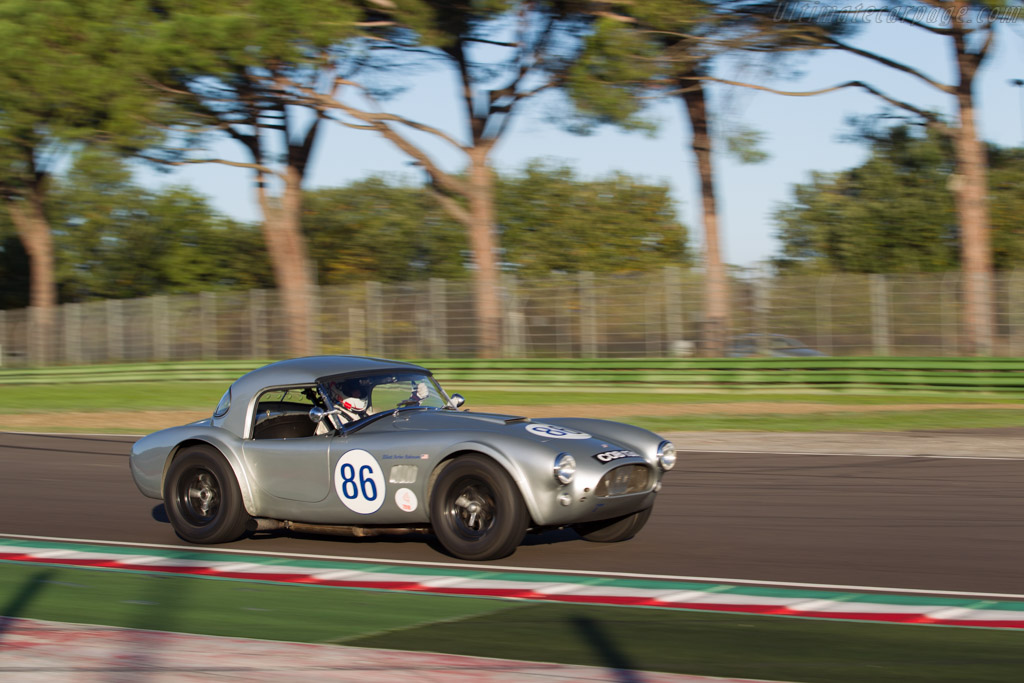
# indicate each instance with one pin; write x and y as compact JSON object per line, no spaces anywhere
{"x":365,"y":446}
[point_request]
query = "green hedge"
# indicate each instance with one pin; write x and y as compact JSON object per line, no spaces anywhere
{"x":1003,"y":376}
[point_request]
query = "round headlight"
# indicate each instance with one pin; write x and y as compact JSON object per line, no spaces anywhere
{"x":666,"y":455}
{"x":565,"y":468}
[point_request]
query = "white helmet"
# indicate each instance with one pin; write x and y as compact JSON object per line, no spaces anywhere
{"x":355,"y":405}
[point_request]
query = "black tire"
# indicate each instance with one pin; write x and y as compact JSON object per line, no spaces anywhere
{"x":202,"y":499}
{"x":476,"y":509}
{"x":613,"y":530}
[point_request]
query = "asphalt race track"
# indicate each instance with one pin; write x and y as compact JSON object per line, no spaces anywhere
{"x":923,"y":523}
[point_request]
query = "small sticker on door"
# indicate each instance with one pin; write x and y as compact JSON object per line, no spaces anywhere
{"x":405,"y":499}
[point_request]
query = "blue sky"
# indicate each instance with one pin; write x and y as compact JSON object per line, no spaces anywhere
{"x":800,"y":134}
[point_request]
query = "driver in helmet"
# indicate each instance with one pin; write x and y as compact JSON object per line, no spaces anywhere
{"x":351,"y":400}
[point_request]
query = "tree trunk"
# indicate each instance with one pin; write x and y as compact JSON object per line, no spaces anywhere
{"x":483,"y":243}
{"x":716,"y":291}
{"x":971,"y":196}
{"x":286,"y":247}
{"x":34,"y":230}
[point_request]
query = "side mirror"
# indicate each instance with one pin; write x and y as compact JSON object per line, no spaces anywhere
{"x":457,"y":400}
{"x":317,"y":414}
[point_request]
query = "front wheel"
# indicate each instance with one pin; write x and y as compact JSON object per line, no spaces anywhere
{"x":476,"y":510}
{"x":613,"y":530}
{"x":202,"y":498}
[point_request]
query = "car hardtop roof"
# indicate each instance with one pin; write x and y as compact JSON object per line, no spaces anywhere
{"x":311,"y":368}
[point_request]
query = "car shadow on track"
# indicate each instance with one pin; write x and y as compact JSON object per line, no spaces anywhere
{"x":160,"y":514}
{"x":544,"y":537}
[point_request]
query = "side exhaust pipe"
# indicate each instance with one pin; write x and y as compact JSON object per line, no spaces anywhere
{"x":264,"y":524}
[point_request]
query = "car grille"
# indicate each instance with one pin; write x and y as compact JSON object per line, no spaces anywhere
{"x":623,"y":480}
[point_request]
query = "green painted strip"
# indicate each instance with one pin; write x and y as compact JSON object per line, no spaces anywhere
{"x":684,"y":642}
{"x":432,"y":572}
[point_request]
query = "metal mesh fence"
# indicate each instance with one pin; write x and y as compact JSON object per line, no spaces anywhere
{"x":654,"y":314}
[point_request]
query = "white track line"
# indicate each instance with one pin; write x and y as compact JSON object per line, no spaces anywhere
{"x":531,"y":570}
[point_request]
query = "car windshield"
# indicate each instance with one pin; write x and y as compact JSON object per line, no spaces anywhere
{"x":375,"y":393}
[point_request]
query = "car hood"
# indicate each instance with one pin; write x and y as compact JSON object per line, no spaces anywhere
{"x":599,"y":436}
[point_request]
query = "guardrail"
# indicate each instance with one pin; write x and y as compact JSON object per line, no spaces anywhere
{"x":1001,"y":376}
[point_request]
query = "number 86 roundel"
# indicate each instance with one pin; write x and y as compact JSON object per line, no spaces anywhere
{"x":359,"y":482}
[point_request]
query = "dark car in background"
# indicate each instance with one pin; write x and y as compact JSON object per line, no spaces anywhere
{"x":746,"y":345}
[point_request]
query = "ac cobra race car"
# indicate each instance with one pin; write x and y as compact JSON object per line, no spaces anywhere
{"x":364,"y":446}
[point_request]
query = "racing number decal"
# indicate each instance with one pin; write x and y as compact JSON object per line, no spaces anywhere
{"x":553,"y":432}
{"x":359,"y":482}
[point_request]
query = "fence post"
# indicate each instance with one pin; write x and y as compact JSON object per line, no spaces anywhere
{"x":374,"y":317}
{"x":948,"y":301}
{"x":257,"y":328}
{"x":880,"y":333}
{"x":588,"y":315}
{"x":672,"y":281}
{"x":823,"y":314}
{"x":207,"y":323}
{"x":514,"y":337}
{"x":1013,"y":312}
{"x":563,"y":320}
{"x":115,"y":330}
{"x":72,"y":334}
{"x":160,"y":325}
{"x":762,"y":309}
{"x":438,"y":324}
{"x":653,"y":314}
{"x":315,"y":322}
{"x":32,"y":350}
{"x":357,"y":331}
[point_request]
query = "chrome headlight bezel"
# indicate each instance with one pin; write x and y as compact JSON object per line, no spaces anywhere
{"x":666,"y":455}
{"x":564,"y":468}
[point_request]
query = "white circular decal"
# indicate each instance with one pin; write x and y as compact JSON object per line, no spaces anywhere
{"x":359,"y":482}
{"x":553,"y":432}
{"x":405,"y":499}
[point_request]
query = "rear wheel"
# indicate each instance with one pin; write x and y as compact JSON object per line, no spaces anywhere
{"x":202,"y":499}
{"x":476,"y":509}
{"x":613,"y":530}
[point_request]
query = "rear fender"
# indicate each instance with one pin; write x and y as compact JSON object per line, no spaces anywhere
{"x":230,"y":449}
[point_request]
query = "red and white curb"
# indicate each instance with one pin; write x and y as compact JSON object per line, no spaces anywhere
{"x":45,"y":651}
{"x":903,"y":609}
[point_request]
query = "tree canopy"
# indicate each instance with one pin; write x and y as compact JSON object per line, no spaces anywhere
{"x":70,"y":75}
{"x":117,"y":239}
{"x":549,"y":219}
{"x":894,"y":212}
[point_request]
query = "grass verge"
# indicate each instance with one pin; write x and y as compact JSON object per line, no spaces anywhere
{"x":201,"y":395}
{"x":836,"y":421}
{"x":619,"y":637}
{"x":173,"y":395}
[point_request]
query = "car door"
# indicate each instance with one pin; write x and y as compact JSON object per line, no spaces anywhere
{"x":288,"y":460}
{"x":379,"y":475}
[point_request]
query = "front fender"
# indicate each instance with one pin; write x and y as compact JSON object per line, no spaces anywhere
{"x":514,"y":469}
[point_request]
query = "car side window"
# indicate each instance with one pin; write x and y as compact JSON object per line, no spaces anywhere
{"x":284,"y":413}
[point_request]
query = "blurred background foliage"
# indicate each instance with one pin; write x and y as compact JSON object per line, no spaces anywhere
{"x":894,"y":213}
{"x":116,"y":239}
{"x":85,"y":85}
